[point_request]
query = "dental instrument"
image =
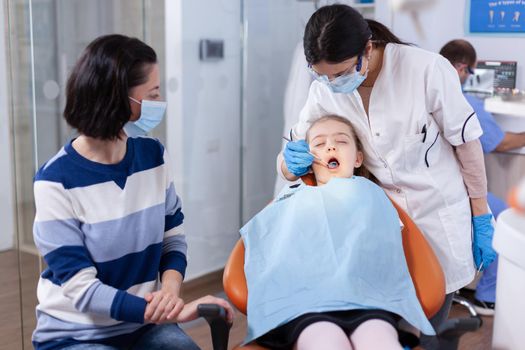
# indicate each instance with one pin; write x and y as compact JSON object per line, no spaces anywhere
{"x":315,"y":157}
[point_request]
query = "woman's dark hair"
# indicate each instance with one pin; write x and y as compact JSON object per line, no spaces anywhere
{"x":338,"y":32}
{"x":459,"y":51}
{"x":98,"y":87}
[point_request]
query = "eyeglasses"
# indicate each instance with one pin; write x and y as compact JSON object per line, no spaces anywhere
{"x":325,"y":79}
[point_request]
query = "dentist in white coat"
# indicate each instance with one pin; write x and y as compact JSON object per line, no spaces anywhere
{"x":420,"y":135}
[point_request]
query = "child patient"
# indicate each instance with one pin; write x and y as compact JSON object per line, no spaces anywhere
{"x":324,"y":265}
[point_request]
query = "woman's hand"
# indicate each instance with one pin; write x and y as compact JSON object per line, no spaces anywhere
{"x":189,"y":312}
{"x":163,"y":306}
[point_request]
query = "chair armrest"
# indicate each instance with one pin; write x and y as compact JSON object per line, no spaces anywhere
{"x":215,"y":315}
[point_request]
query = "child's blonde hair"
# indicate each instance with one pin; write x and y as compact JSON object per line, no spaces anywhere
{"x":361,"y":171}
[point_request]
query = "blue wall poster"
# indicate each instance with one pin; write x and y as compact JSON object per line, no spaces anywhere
{"x":497,"y":16}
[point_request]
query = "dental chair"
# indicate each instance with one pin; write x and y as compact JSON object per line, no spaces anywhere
{"x":424,"y":268}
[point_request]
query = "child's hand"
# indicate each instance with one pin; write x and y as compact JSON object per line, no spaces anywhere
{"x":163,"y":307}
{"x":189,"y":312}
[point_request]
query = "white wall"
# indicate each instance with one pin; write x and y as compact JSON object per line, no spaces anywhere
{"x":447,"y":20}
{"x":203,"y":126}
{"x":7,"y":209}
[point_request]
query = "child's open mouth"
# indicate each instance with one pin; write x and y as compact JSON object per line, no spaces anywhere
{"x":333,"y":163}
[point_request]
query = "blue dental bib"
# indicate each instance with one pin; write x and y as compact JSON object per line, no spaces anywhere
{"x":327,"y":248}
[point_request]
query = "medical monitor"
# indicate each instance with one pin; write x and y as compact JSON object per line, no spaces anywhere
{"x":489,"y":76}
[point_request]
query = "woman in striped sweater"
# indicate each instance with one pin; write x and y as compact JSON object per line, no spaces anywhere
{"x":108,"y":220}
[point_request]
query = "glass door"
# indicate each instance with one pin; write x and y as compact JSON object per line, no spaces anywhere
{"x":45,"y":39}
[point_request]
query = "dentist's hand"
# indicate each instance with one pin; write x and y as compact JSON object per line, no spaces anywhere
{"x":297,"y":158}
{"x":482,"y":240}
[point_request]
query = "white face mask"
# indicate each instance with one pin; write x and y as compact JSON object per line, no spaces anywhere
{"x":151,"y":114}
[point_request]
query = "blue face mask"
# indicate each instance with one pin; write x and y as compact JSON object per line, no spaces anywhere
{"x":346,"y":83}
{"x":151,"y":114}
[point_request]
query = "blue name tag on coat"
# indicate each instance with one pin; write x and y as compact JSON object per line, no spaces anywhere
{"x":327,"y":248}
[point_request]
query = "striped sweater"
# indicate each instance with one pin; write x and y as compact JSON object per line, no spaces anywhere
{"x":106,"y":232}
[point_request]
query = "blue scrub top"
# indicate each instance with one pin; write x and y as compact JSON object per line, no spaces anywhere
{"x":492,"y":133}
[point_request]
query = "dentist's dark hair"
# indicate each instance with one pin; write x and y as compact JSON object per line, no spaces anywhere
{"x":97,"y":91}
{"x":338,"y":32}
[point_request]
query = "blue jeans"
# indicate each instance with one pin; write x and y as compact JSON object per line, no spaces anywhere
{"x":161,"y":337}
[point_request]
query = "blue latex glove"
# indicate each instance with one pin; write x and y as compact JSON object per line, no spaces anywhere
{"x":482,"y":241}
{"x":297,"y":158}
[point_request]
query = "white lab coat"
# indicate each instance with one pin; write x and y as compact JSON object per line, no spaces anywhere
{"x":415,"y":90}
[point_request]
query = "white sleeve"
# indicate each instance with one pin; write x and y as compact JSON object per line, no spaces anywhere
{"x":445,"y":101}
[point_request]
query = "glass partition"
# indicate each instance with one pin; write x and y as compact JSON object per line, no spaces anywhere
{"x":45,"y":39}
